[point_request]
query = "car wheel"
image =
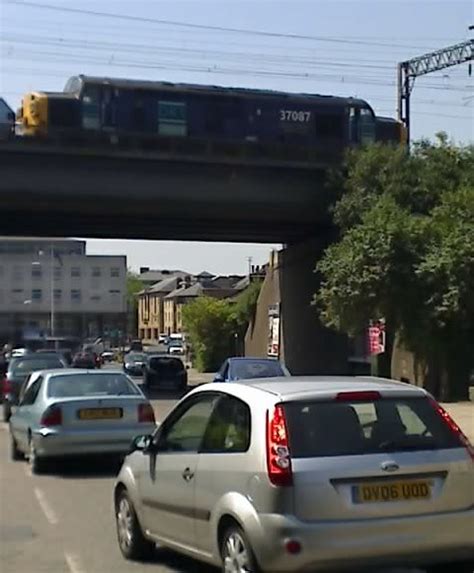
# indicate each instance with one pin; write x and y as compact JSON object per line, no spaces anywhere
{"x":132,"y":542}
{"x":37,"y":464}
{"x":15,"y":453}
{"x":236,"y":552}
{"x":7,"y":412}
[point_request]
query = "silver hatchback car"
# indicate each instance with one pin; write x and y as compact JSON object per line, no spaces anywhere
{"x":302,"y":474}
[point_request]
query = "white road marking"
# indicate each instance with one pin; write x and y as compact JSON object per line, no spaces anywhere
{"x":73,"y":562}
{"x":47,"y":509}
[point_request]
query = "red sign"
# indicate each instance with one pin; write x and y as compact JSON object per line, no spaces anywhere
{"x":377,"y":339}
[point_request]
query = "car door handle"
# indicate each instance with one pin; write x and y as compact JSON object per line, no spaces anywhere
{"x":187,"y":474}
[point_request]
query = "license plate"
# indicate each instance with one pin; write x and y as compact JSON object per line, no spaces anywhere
{"x":100,"y":414}
{"x":374,"y":492}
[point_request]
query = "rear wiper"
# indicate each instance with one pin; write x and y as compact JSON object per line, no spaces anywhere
{"x":401,"y":445}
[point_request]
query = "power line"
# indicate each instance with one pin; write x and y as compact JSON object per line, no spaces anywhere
{"x":263,"y":33}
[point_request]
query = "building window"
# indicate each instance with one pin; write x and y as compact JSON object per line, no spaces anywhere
{"x":114,"y":292}
{"x":75,"y":272}
{"x":57,"y":273}
{"x":17,"y":273}
{"x":96,"y":271}
{"x":58,"y":294}
{"x":76,"y":295}
{"x":36,"y":294}
{"x":115,"y":272}
{"x":96,"y":298}
{"x":36,"y":272}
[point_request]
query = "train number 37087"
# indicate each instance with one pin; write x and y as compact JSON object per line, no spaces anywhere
{"x":293,"y":115}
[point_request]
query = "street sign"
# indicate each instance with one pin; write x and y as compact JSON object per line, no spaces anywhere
{"x":377,"y":338}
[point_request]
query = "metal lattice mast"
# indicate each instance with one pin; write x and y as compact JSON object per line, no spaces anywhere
{"x":431,"y":62}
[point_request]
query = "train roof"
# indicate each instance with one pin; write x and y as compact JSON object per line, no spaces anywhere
{"x":218,"y":90}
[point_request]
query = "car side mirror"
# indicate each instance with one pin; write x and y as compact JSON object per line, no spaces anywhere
{"x":218,"y":378}
{"x":142,"y":443}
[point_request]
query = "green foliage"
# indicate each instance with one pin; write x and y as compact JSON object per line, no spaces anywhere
{"x":210,"y":325}
{"x":245,"y":305}
{"x":214,"y":326}
{"x":406,"y":251}
{"x":134,"y":286}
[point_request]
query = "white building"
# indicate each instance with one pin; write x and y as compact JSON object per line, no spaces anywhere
{"x":51,"y":286}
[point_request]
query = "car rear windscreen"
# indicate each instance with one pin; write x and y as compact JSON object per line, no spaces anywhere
{"x":135,"y":357}
{"x":24,"y":367}
{"x":246,"y":370}
{"x":318,"y":429}
{"x":165,"y":365}
{"x":79,"y":385}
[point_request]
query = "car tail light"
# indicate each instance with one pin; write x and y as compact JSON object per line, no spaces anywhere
{"x":7,"y":386}
{"x":146,"y":414}
{"x":278,"y":451}
{"x":363,"y":396}
{"x":52,"y":416}
{"x":455,"y":429}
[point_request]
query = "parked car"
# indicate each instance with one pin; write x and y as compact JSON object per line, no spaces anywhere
{"x":84,"y":360}
{"x":302,"y":474}
{"x":162,"y":339}
{"x":134,"y":363}
{"x":165,"y":372}
{"x":73,"y":413}
{"x":245,"y":368}
{"x":18,"y":370}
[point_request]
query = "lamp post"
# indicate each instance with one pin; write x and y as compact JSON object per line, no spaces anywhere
{"x":51,"y":287}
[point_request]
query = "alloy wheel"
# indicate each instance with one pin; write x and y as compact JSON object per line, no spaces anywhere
{"x":235,"y":555}
{"x":125,"y":523}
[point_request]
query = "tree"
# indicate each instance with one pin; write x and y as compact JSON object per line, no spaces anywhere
{"x":210,"y":325}
{"x":215,"y":326}
{"x":405,"y":254}
{"x":133,"y":286}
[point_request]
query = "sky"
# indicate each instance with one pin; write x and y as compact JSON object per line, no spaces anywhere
{"x":347,"y":48}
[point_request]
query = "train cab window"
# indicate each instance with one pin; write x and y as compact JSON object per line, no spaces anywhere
{"x":172,"y":118}
{"x":91,"y":107}
{"x":73,"y":85}
{"x":366,"y":127}
{"x":361,"y":126}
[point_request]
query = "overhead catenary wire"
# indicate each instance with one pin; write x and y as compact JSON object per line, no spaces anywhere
{"x":207,"y":27}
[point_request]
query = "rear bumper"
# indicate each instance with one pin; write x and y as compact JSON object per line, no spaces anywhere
{"x":409,"y":542}
{"x":50,"y":442}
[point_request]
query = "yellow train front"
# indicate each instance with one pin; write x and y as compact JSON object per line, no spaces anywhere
{"x":44,"y":115}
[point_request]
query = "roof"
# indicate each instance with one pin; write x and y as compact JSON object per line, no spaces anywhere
{"x":218,"y":90}
{"x":166,"y":285}
{"x":157,"y":275}
{"x":194,"y":290}
{"x":300,"y":387}
{"x":72,"y":371}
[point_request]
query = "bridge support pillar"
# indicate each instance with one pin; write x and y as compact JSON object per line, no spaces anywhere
{"x":302,"y":342}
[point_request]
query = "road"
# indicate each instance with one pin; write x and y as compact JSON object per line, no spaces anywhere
{"x":63,"y":522}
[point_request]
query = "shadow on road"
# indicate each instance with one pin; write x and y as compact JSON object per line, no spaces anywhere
{"x":157,"y":394}
{"x":179,"y":563}
{"x":85,"y":468}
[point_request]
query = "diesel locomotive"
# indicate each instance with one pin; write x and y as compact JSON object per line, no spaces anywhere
{"x":165,"y":116}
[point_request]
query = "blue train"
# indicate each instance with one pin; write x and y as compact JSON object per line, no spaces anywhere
{"x":194,"y":119}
